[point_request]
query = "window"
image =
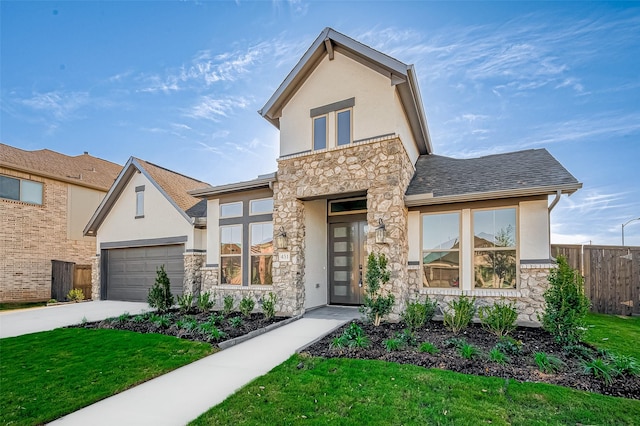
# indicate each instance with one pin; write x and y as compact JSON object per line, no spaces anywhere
{"x":494,"y":242}
{"x":231,"y":254}
{"x":441,"y":250}
{"x":349,"y":206}
{"x":231,"y":209}
{"x":21,"y":190}
{"x":139,"y":202}
{"x":261,"y":253}
{"x":344,"y":127}
{"x":263,"y":206}
{"x":320,"y":132}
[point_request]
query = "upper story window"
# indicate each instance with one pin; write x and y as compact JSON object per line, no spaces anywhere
{"x":441,"y":250}
{"x":139,"y":202}
{"x":494,"y":254}
{"x":23,"y":190}
{"x":332,"y":124}
{"x":261,"y":206}
{"x":231,"y":210}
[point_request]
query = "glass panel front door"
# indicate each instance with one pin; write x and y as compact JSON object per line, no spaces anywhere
{"x":346,"y":262}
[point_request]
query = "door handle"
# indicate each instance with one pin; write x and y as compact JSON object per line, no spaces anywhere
{"x":360,"y":282}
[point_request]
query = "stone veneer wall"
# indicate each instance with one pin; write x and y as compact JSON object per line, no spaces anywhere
{"x":383,"y":170}
{"x":192,"y":281}
{"x":528,"y":298}
{"x":31,"y":236}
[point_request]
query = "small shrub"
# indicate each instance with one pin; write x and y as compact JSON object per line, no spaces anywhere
{"x":185,"y":302}
{"x":468,"y":351}
{"x":84,"y":320}
{"x":509,"y":346}
{"x":215,"y":319}
{"x":393,"y":344}
{"x":408,"y":337}
{"x":499,"y":319}
{"x":187,"y":323}
{"x":163,"y":321}
{"x":352,"y":337}
{"x":210,"y":330}
{"x":236,"y":322}
{"x":417,"y":314}
{"x":52,"y":301}
{"x":139,"y":319}
{"x":566,"y":305}
{"x":124,"y":317}
{"x":459,"y":313}
{"x":376,"y":306}
{"x":228,"y":303}
{"x":578,"y":351}
{"x":454,"y":342}
{"x":246,"y":306}
{"x":624,"y":364}
{"x":498,"y":356}
{"x":600,"y":369}
{"x":205,"y":302}
{"x":160,"y":296}
{"x":548,"y":364}
{"x":269,"y":306}
{"x":75,"y":295}
{"x":429,"y":348}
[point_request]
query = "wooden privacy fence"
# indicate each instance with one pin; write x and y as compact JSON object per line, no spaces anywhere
{"x":68,"y":275}
{"x":611,"y":275}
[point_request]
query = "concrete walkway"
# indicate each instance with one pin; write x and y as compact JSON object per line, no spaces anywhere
{"x":182,"y":395}
{"x":25,"y":321}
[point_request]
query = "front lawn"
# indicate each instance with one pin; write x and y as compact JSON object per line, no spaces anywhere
{"x":615,"y":333}
{"x":46,"y":375}
{"x":309,"y":390}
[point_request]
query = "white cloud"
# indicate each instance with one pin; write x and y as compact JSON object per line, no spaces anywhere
{"x":61,"y":105}
{"x":210,"y":108}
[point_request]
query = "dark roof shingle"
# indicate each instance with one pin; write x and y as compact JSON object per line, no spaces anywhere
{"x":526,"y":170}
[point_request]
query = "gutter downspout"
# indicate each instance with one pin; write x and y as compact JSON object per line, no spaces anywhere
{"x":553,"y":204}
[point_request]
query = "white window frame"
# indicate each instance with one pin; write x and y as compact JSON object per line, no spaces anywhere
{"x":326,"y":132}
{"x":251,"y":213}
{"x":350,"y":109}
{"x":20,"y":192}
{"x":139,"y":202}
{"x":249,"y":277}
{"x":222,"y":256}
{"x":229,"y":204}
{"x":460,"y":250}
{"x":515,"y":247}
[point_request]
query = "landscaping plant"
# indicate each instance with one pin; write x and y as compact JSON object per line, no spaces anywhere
{"x":269,"y":306}
{"x":160,"y":296}
{"x":566,"y":304}
{"x":246,"y":306}
{"x":468,"y":351}
{"x":376,"y":305}
{"x":459,"y":313}
{"x":75,"y":295}
{"x":509,"y":345}
{"x":497,"y":356}
{"x":228,"y":303}
{"x":236,"y":322}
{"x":185,"y":302}
{"x":352,"y":337}
{"x":205,"y":302}
{"x":429,"y":348}
{"x":548,"y":364}
{"x":601,"y":369}
{"x":499,"y":319}
{"x":163,"y":321}
{"x":416,"y":314}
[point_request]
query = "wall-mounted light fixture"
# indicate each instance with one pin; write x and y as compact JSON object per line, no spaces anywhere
{"x":381,"y":232}
{"x":281,"y":239}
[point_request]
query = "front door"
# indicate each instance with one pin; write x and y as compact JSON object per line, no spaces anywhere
{"x":346,"y":262}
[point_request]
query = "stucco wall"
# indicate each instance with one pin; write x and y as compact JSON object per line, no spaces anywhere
{"x":31,"y":236}
{"x":377,"y":109}
{"x":315,"y":276}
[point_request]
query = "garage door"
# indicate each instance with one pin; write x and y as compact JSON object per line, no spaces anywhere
{"x":131,"y":272}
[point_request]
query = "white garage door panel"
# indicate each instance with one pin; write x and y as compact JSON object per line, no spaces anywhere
{"x":131,"y":272}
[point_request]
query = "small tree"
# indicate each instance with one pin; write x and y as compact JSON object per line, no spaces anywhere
{"x":160,"y":296}
{"x":376,"y":305}
{"x":566,"y":304}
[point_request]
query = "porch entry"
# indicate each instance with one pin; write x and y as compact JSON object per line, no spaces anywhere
{"x":347,"y":262}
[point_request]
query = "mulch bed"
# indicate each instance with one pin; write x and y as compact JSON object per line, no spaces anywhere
{"x":225,"y":324}
{"x":520,"y":367}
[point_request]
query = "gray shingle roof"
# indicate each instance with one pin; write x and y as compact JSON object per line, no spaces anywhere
{"x":525,"y":171}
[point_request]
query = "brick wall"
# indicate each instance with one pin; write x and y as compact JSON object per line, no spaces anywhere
{"x":31,"y":236}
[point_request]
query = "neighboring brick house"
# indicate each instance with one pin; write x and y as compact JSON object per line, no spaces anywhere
{"x":46,"y":199}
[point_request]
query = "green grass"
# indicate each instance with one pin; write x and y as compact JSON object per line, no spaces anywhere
{"x":357,"y":392}
{"x":46,"y":375}
{"x":9,"y":306}
{"x":617,"y":334}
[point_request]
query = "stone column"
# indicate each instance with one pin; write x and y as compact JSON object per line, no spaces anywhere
{"x":95,"y":277}
{"x":192,"y":282}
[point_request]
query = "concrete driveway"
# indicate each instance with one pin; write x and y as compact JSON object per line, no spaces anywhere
{"x":16,"y":323}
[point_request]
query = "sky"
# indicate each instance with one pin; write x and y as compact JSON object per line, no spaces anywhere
{"x":179,"y":84}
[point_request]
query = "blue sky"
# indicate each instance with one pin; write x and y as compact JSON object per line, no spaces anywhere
{"x":178,"y":83}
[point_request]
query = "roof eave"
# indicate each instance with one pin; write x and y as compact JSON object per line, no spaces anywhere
{"x":427,"y":199}
{"x":234,"y":187}
{"x":52,"y":176}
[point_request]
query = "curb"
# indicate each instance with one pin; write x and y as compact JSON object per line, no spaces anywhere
{"x":232,"y":342}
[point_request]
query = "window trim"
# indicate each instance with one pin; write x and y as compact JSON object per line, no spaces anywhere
{"x":326,"y":132}
{"x":20,"y":199}
{"x":459,"y":250}
{"x":222,"y":256}
{"x":251,"y":256}
{"x":341,"y":200}
{"x":139,"y":202}
{"x":350,"y":109}
{"x":228,"y":204}
{"x":515,"y":248}
{"x":251,"y":213}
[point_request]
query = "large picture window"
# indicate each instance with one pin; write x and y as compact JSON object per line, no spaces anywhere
{"x":494,"y":242}
{"x":441,"y":250}
{"x":21,"y":190}
{"x":261,"y":253}
{"x":231,"y":210}
{"x":231,"y":254}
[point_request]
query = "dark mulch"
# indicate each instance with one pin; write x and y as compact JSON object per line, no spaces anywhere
{"x":144,"y":324}
{"x":520,"y":367}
